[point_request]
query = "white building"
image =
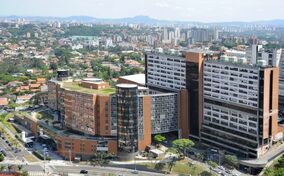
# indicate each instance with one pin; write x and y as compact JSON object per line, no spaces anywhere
{"x":255,"y":53}
{"x":171,"y":36}
{"x":165,"y":71}
{"x":165,"y":34}
{"x":177,"y":33}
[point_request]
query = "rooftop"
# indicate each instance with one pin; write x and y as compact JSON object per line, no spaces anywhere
{"x":127,"y":85}
{"x":138,"y":78}
{"x":75,"y":86}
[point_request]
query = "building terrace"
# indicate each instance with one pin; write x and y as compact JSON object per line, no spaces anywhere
{"x":75,"y":86}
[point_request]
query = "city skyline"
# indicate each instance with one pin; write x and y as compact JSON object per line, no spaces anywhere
{"x":180,"y":10}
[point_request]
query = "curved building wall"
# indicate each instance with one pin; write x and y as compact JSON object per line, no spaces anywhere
{"x":127,"y":121}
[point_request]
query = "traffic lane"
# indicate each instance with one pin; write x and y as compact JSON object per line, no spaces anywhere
{"x":77,"y":169}
{"x":12,"y":154}
{"x":35,"y":168}
{"x":105,"y":170}
{"x":7,"y":149}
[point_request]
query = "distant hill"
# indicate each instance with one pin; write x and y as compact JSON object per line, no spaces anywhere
{"x":142,"y":20}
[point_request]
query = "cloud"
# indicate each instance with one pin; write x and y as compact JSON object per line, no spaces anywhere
{"x":162,"y":4}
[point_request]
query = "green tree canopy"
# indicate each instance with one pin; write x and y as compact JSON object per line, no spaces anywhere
{"x":182,"y":145}
{"x":158,"y":138}
{"x":231,"y":160}
{"x":212,"y":164}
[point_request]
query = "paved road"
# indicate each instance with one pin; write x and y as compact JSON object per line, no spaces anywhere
{"x":101,"y":170}
{"x":11,"y":155}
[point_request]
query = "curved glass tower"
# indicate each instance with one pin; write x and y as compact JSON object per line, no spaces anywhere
{"x":127,"y":120}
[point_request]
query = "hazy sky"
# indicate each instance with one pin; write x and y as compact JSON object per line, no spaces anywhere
{"x":190,"y":10}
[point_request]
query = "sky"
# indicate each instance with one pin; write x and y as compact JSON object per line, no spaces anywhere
{"x":181,"y":10}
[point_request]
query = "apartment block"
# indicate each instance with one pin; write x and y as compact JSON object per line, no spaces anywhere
{"x":240,"y":107}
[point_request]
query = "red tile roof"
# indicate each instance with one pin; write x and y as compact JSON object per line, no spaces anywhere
{"x":4,"y":102}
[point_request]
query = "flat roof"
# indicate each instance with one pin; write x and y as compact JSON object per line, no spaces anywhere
{"x":127,"y":85}
{"x":137,"y":78}
{"x":74,"y":86}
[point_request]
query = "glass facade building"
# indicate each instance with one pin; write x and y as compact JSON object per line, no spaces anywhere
{"x":127,"y":121}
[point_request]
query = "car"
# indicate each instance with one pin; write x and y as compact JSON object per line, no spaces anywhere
{"x":83,"y":172}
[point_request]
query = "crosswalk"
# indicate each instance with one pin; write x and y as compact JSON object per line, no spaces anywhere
{"x":37,"y":173}
{"x":40,"y":173}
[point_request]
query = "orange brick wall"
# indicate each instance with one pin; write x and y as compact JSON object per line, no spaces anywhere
{"x":142,"y":144}
{"x":90,"y":85}
{"x":183,"y":114}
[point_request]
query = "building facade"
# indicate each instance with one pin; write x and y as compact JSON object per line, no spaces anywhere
{"x":127,"y":120}
{"x":165,"y":71}
{"x":240,"y":107}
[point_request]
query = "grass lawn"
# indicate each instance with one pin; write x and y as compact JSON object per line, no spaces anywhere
{"x":182,"y":167}
{"x":76,"y":87}
{"x":4,"y":119}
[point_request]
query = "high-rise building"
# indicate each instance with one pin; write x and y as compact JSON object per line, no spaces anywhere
{"x":240,"y":107}
{"x":200,"y":35}
{"x":181,"y":74}
{"x":165,"y":34}
{"x":281,"y":82}
{"x":171,"y":36}
{"x":177,"y":33}
{"x":256,"y":54}
{"x":127,"y":120}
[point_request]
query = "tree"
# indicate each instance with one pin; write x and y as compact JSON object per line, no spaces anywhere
{"x":199,"y":156}
{"x":20,"y":167}
{"x":279,"y":172}
{"x":25,"y":173}
{"x":1,"y":157}
{"x":158,"y":138}
{"x":181,"y":145}
{"x":10,"y":167}
{"x":53,"y":66}
{"x":101,"y":158}
{"x":212,"y":164}
{"x":280,"y":163}
{"x":231,"y":161}
{"x":2,"y":168}
{"x":160,"y":166}
{"x":268,"y":171}
{"x":206,"y":173}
